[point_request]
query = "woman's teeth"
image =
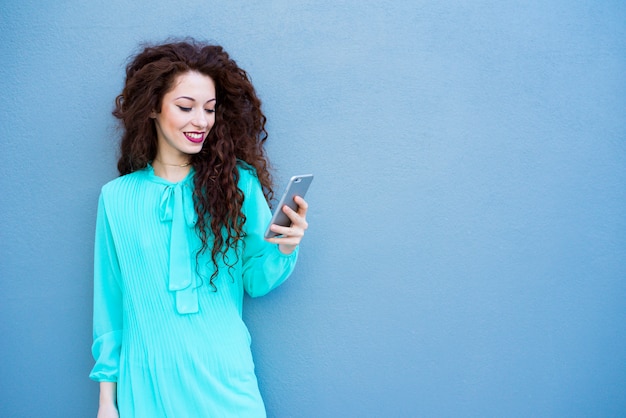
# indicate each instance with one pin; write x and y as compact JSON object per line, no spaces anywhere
{"x":194,"y":136}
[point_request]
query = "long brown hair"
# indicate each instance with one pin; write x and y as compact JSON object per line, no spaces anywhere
{"x":238,"y":134}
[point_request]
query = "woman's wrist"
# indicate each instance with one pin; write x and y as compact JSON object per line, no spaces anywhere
{"x":108,"y":393}
{"x":287,"y":249}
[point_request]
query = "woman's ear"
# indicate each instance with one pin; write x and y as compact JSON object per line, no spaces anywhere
{"x":153,"y":115}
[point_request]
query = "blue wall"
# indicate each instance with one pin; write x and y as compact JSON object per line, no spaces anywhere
{"x":467,"y":250}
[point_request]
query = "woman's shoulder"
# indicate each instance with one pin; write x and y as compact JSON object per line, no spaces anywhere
{"x":124,"y":183}
{"x":247,"y":174}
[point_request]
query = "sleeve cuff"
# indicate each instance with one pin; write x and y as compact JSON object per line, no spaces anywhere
{"x":106,"y":352}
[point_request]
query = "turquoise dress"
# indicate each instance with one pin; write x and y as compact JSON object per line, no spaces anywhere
{"x":176,"y":346}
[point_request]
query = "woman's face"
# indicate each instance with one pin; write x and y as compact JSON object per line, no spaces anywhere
{"x":186,"y":117}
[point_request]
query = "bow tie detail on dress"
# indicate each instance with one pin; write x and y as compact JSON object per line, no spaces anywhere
{"x":177,"y":207}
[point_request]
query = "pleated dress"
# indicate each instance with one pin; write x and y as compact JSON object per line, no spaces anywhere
{"x":176,"y":346}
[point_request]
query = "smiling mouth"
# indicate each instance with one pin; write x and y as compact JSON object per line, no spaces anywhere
{"x":195,"y":137}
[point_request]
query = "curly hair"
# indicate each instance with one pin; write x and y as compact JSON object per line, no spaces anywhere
{"x":238,"y":134}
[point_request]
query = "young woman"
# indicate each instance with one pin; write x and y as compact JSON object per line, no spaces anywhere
{"x":179,"y":238}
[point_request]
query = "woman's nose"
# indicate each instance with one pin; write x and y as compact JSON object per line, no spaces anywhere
{"x":201,"y":119}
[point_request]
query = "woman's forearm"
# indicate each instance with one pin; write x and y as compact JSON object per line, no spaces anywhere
{"x":108,"y":393}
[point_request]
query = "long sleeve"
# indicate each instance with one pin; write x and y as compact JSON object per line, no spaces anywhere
{"x":265,"y":267}
{"x":107,"y":310}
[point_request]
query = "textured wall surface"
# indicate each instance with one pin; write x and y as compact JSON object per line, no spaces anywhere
{"x":467,"y":250}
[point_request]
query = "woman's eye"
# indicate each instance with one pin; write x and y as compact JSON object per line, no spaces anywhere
{"x":184,"y":109}
{"x":209,"y":110}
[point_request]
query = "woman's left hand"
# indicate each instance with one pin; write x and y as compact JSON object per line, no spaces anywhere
{"x":291,"y":235}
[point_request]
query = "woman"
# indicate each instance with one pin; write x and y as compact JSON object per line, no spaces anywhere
{"x":179,"y":238}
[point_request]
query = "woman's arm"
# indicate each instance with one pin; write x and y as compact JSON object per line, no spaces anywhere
{"x":108,"y":400}
{"x":265,"y":264}
{"x":107,"y":302}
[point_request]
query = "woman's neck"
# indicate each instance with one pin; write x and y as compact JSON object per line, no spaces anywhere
{"x":170,"y":171}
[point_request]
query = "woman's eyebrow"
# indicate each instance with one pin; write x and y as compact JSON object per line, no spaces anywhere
{"x":192,"y":99}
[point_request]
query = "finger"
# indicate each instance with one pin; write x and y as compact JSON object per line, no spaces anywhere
{"x":303,"y":206}
{"x":288,"y":231}
{"x":297,"y":219}
{"x":282,"y":239}
{"x":295,"y":241}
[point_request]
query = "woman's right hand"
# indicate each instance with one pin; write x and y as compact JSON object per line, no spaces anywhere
{"x":108,"y":411}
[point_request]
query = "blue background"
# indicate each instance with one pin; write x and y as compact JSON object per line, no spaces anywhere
{"x":467,"y":249}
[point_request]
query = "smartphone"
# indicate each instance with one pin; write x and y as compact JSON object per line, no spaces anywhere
{"x":297,"y":186}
